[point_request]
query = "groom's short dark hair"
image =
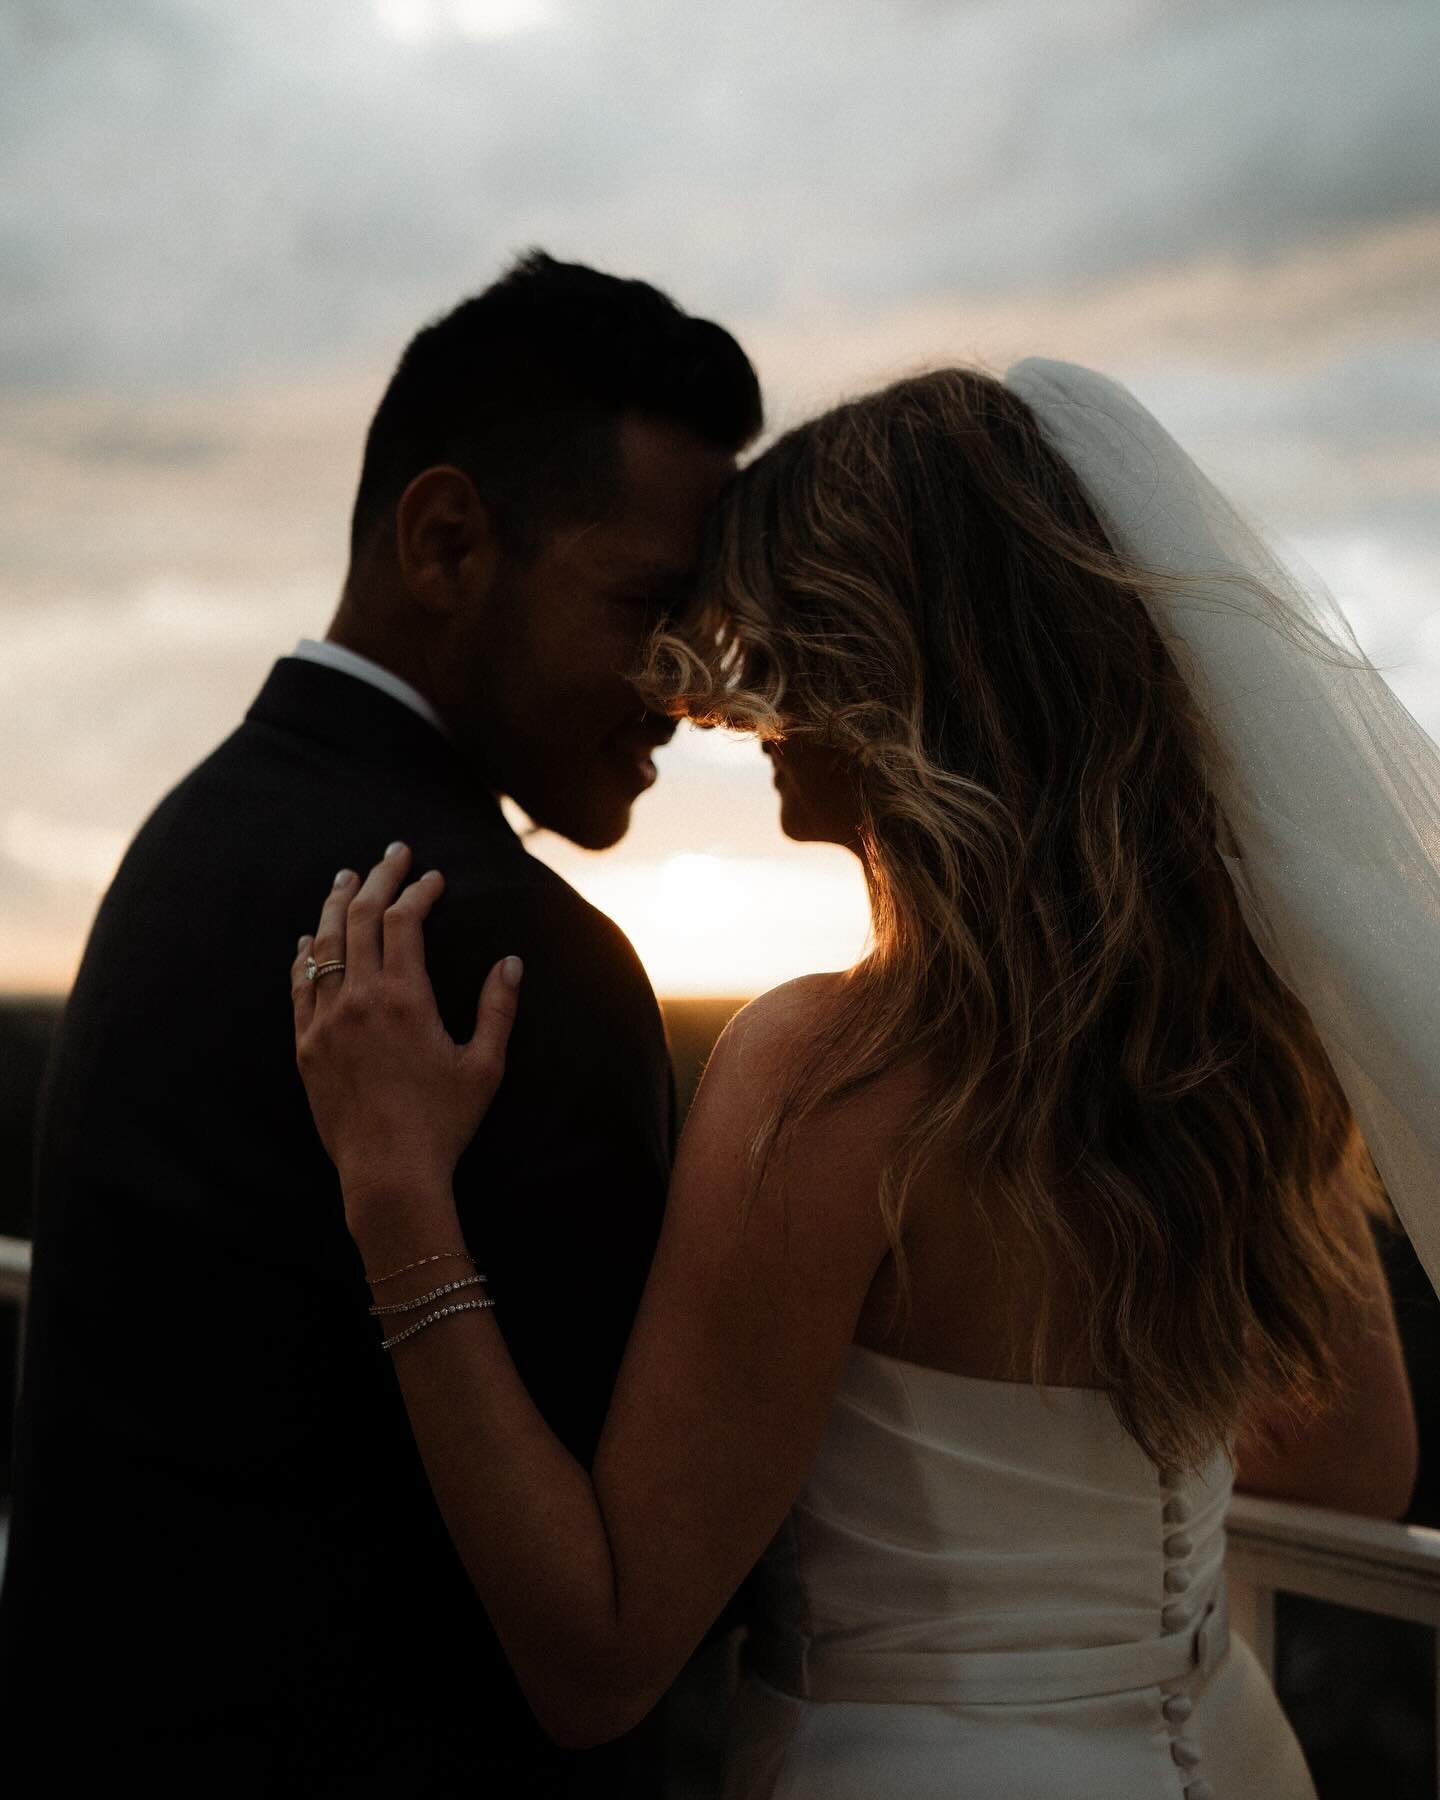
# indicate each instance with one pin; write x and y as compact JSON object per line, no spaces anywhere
{"x":521,"y":386}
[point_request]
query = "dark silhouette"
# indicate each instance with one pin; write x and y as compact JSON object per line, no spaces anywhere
{"x":225,"y":1562}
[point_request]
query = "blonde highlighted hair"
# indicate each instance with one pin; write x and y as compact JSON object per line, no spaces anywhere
{"x":917,"y":579}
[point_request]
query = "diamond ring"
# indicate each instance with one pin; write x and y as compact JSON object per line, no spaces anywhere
{"x":314,"y":970}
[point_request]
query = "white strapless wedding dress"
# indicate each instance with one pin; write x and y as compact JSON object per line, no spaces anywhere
{"x":987,"y":1592}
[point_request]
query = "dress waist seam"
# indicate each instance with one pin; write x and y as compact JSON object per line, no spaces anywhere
{"x":788,"y":1661}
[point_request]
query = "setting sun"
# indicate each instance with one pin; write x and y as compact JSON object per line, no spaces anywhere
{"x":707,"y":924}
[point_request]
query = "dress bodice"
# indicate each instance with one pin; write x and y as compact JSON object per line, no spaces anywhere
{"x":950,"y":1514}
{"x":987,"y":1588}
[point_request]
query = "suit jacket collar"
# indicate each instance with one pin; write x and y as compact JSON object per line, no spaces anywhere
{"x":331,"y":707}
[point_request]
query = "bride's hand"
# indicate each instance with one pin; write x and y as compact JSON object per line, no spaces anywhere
{"x":395,"y":1099}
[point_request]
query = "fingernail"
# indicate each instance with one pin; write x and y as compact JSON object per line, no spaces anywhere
{"x":511,"y":970}
{"x":301,"y":945}
{"x":344,"y":876}
{"x":395,"y":848}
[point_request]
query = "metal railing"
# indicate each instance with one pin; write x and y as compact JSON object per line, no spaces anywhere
{"x":1369,"y":1564}
{"x":1274,"y":1547}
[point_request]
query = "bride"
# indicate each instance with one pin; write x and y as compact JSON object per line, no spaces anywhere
{"x":990,"y":1263}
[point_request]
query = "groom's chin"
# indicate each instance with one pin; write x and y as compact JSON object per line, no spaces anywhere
{"x":593,"y":822}
{"x":597,"y":835}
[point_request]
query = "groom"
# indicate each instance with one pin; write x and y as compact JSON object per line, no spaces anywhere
{"x":226,"y":1569}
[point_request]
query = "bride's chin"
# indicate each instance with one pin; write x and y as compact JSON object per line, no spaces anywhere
{"x":795,"y":825}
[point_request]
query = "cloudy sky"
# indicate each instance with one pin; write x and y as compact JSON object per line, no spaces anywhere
{"x":219,"y":224}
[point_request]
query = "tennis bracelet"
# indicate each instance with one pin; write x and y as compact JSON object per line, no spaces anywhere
{"x":443,"y":1312}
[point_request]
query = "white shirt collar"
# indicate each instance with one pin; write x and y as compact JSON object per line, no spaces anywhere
{"x":350,"y":662}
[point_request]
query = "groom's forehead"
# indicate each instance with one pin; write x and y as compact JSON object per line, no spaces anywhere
{"x":669,"y":478}
{"x":648,"y":541}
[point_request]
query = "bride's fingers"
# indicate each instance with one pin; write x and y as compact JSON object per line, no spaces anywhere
{"x":367,"y":908}
{"x":404,"y":942}
{"x":328,"y":944}
{"x":484,"y":1055}
{"x":302,"y":991}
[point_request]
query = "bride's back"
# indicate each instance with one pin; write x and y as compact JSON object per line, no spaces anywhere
{"x":971,"y":1285}
{"x":974,"y":1290}
{"x":985,"y":1574}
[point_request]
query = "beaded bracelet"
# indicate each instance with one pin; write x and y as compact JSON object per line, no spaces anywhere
{"x":459,"y":1306}
{"x":382,"y":1312}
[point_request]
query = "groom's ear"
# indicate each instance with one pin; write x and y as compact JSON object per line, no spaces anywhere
{"x":445,"y":540}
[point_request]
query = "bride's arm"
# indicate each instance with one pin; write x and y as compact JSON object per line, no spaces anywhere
{"x":601,"y":1582}
{"x":1362,"y":1454}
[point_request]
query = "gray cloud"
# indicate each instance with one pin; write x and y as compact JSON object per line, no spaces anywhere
{"x":194,"y":189}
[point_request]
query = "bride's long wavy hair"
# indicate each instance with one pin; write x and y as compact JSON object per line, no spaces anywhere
{"x":917,"y":580}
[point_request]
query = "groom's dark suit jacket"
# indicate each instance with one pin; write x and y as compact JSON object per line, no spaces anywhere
{"x":225,"y":1563}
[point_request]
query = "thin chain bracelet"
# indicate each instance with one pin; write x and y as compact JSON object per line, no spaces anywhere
{"x":382,"y":1312}
{"x":439,"y":1256}
{"x":431,"y":1318}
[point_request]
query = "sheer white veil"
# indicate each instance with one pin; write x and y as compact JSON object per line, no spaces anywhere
{"x":1332,"y":790}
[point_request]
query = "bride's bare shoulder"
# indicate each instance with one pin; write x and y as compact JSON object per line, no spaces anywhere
{"x":793,"y":1005}
{"x":825,"y":1167}
{"x":777,"y":1022}
{"x":764,"y":1043}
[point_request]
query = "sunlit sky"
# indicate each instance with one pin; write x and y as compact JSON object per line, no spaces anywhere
{"x":219,"y":224}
